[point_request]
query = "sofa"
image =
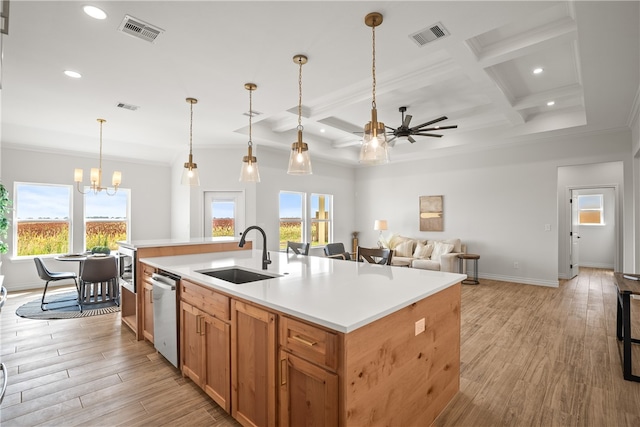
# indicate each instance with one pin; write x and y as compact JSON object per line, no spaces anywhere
{"x":438,"y":255}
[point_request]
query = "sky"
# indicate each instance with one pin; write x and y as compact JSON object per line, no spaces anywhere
{"x":53,"y":201}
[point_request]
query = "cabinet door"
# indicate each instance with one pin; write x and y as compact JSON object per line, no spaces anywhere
{"x":191,"y":348}
{"x":217,"y":345}
{"x":147,"y":312}
{"x":253,"y":350}
{"x":308,"y":394}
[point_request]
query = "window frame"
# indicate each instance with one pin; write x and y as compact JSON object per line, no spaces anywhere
{"x":17,"y":221}
{"x":303,"y":222}
{"x":88,"y":193}
{"x":328,"y":220}
{"x":238,"y":198}
{"x":307,"y":218}
{"x":600,"y":210}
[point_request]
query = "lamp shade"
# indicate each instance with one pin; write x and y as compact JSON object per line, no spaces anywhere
{"x":380,"y":224}
{"x":249,"y":171}
{"x":190,"y":177}
{"x":299,"y":159}
{"x":374,"y":150}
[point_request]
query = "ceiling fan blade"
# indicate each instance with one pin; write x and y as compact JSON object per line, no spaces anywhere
{"x":407,"y":120}
{"x":428,"y":134}
{"x":392,"y":141}
{"x":411,"y":140}
{"x":439,"y":119}
{"x":439,"y":128}
{"x":390,"y":128}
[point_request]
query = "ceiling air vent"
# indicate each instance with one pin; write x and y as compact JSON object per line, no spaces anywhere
{"x":433,"y":32}
{"x":127,"y":106}
{"x":139,"y":29}
{"x":252,"y":113}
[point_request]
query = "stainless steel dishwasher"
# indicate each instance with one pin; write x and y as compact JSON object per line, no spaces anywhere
{"x":165,"y":331}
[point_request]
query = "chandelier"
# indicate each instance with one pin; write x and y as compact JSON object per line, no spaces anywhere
{"x":96,"y":175}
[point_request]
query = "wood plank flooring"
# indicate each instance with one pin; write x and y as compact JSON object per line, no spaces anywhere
{"x":530,"y":356}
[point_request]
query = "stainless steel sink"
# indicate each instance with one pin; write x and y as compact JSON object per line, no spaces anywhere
{"x":236,"y":275}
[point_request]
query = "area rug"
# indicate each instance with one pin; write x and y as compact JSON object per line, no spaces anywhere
{"x":63,"y":306}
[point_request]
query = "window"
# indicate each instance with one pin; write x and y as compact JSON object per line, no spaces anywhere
{"x":106,"y":218}
{"x":223,"y":214}
{"x":303,"y":220}
{"x":42,"y":217}
{"x":590,"y":209}
{"x":321,"y":214}
{"x":291,"y":218}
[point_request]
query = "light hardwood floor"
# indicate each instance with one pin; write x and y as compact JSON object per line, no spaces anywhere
{"x":530,"y":356}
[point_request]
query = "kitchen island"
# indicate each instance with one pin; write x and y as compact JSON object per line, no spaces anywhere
{"x":336,"y":342}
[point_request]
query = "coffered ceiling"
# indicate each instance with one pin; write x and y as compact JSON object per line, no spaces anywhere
{"x":480,"y":75}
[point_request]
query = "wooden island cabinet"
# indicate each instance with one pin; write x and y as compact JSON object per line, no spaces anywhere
{"x":321,"y":342}
{"x":288,"y":372}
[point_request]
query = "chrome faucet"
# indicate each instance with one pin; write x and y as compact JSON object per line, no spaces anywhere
{"x":266,"y":258}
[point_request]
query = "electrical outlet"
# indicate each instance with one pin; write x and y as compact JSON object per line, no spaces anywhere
{"x":516,"y":264}
{"x":547,"y":227}
{"x":420,"y":326}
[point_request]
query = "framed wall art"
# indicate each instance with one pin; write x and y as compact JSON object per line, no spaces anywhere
{"x":431,"y":213}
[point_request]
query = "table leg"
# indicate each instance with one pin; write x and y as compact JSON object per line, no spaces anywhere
{"x":625,"y":310}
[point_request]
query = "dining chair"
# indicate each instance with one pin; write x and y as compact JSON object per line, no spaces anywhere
{"x":99,"y":281}
{"x":375,"y":255}
{"x":298,"y":248}
{"x":336,"y":250}
{"x":52,"y":276}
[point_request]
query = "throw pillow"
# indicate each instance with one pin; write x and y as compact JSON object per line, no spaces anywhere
{"x":423,"y":251}
{"x":404,"y":249}
{"x":440,"y":249}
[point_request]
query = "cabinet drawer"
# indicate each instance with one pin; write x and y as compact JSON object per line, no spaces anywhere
{"x":309,"y":342}
{"x":207,"y":300}
{"x":147,"y":272}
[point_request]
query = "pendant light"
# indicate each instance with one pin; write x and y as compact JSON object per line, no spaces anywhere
{"x":299,"y":160}
{"x":374,"y":150}
{"x":190,"y":172}
{"x":96,"y":175}
{"x":249,"y":171}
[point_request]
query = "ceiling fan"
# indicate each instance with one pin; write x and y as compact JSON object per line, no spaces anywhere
{"x":404,"y":131}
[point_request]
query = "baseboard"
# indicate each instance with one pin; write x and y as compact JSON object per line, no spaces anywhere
{"x":523,"y":280}
{"x":596,"y":265}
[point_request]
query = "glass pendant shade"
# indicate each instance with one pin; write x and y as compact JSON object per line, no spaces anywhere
{"x":249,"y":171}
{"x":299,"y":159}
{"x":190,"y":174}
{"x":374,"y":150}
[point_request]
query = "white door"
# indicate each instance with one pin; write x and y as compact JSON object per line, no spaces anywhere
{"x":223,"y":214}
{"x":574,"y":237}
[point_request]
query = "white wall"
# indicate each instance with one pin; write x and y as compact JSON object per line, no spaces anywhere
{"x":150,"y":199}
{"x":498,"y":202}
{"x":598,"y":242}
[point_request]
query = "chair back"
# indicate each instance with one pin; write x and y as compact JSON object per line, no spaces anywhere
{"x":99,"y":269}
{"x":43,"y":273}
{"x":375,"y":255}
{"x":336,"y":250}
{"x":298,"y":248}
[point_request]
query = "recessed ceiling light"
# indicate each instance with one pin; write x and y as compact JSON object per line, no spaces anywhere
{"x":322,"y":130}
{"x":94,"y":12}
{"x":72,"y":74}
{"x":551,"y":103}
{"x":538,"y":70}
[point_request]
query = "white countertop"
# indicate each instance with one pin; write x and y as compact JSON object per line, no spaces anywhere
{"x":340,"y":295}
{"x":154,"y":243}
